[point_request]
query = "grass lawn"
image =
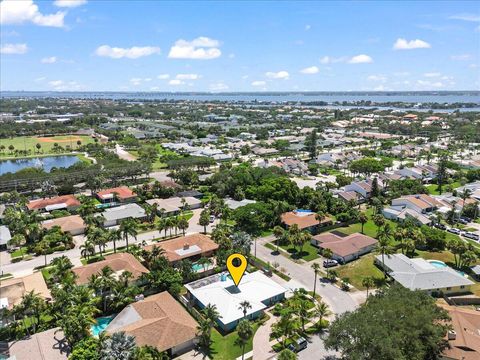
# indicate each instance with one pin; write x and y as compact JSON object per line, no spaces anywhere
{"x":369,"y":229}
{"x":359,"y":269}
{"x":225,"y":348}
{"x":308,"y":253}
{"x":19,"y":252}
{"x":445,"y":256}
{"x":433,"y":188}
{"x":30,"y":142}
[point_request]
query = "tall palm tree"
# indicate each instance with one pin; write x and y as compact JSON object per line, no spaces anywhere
{"x":244,"y":306}
{"x":383,"y":247}
{"x":245,"y":333}
{"x":368,"y":283}
{"x":316,"y":270}
{"x":87,"y":249}
{"x":211,"y":313}
{"x":466,"y":193}
{"x":114,"y":235}
{"x":128,"y":227}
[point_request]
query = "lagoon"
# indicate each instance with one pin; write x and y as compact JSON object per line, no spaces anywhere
{"x":46,"y":163}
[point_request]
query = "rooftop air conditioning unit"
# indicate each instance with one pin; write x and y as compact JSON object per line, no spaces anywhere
{"x":452,"y":335}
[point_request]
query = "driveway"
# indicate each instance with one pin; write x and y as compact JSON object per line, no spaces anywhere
{"x":193,"y":226}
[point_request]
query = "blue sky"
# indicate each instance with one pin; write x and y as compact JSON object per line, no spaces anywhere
{"x":239,"y":46}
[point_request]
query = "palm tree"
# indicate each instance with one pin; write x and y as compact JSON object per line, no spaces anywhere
{"x":383,"y":247}
{"x":183,"y":224}
{"x":321,"y":310}
{"x":287,"y":354}
{"x":363,"y":218}
{"x":245,"y":332}
{"x":466,"y":193}
{"x":211,"y":313}
{"x":114,"y":235}
{"x":204,"y":262}
{"x":87,"y":249}
{"x":61,"y":266}
{"x":368,"y":283}
{"x":284,"y":328}
{"x":281,"y":236}
{"x":204,"y":332}
{"x":204,"y":219}
{"x":244,"y":306}
{"x":128,"y":227}
{"x":162,"y":226}
{"x":316,"y":270}
{"x":118,"y":346}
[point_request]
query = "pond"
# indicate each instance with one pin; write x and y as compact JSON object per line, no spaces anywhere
{"x":46,"y":163}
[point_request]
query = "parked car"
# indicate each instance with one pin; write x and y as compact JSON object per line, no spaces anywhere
{"x":454,"y":231}
{"x":467,"y":219}
{"x":440,"y":226}
{"x":300,"y":344}
{"x":462,"y":221}
{"x":472,"y":236}
{"x":212,"y":218}
{"x":330,"y":263}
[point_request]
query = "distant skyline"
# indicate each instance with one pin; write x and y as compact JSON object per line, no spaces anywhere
{"x":213,"y":46}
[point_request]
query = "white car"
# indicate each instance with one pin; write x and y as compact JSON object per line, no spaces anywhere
{"x":454,"y":231}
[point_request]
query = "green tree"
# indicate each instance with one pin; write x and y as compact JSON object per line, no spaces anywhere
{"x":411,"y":326}
{"x":363,"y":219}
{"x":321,"y":310}
{"x":204,"y":219}
{"x":244,"y":306}
{"x":119,"y":346}
{"x":316,"y":270}
{"x":86,"y":349}
{"x":287,"y":354}
{"x":368,"y":283}
{"x":128,"y":227}
{"x":245,"y":333}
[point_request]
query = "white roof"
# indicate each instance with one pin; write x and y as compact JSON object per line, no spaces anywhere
{"x":174,"y":203}
{"x":419,"y":274}
{"x":254,"y":288}
{"x":123,"y":212}
{"x":5,"y":235}
{"x":235,"y":204}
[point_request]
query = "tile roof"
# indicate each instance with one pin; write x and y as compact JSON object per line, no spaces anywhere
{"x":14,"y":289}
{"x":67,"y":200}
{"x":122,"y":192}
{"x":117,"y":262}
{"x":185,"y":246}
{"x":158,"y":320}
{"x":344,"y":246}
{"x":67,"y":223}
{"x":303,"y":220}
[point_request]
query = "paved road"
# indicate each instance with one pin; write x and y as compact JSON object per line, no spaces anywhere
{"x":23,"y":268}
{"x":316,"y":349}
{"x":338,"y":300}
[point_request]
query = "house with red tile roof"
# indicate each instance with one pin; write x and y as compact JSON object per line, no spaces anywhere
{"x":120,"y":194}
{"x":305,"y":220}
{"x":66,"y":202}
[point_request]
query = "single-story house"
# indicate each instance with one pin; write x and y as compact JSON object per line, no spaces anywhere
{"x":401,"y":214}
{"x":46,"y":345}
{"x":190,"y":193}
{"x":173,"y":205}
{"x":464,"y":338}
{"x":420,"y":274}
{"x":349,"y":196}
{"x":12,"y":290}
{"x":118,"y":262}
{"x":73,"y":224}
{"x":420,"y":203}
{"x":158,"y":321}
{"x":219,"y":290}
{"x":68,"y":202}
{"x":235,"y":204}
{"x":113,"y":216}
{"x":120,"y":194}
{"x":5,"y":237}
{"x":305,"y":220}
{"x":190,"y":247}
{"x":345,"y":249}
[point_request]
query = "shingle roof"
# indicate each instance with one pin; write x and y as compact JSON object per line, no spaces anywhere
{"x":14,"y":289}
{"x":123,"y":212}
{"x":117,"y":262}
{"x":122,"y":192}
{"x":185,"y":246}
{"x":67,"y":223}
{"x":303,"y":220}
{"x":45,"y":345}
{"x":158,"y":321}
{"x":345,"y":246}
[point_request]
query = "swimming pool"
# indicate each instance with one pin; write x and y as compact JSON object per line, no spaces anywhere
{"x":303,"y":211}
{"x":101,"y":324}
{"x":437,"y":263}
{"x":197,"y":267}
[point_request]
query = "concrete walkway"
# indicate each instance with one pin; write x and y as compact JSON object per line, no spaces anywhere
{"x":261,"y":340}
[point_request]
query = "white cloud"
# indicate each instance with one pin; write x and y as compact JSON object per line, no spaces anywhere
{"x":16,"y":49}
{"x":220,"y":86}
{"x":136,"y":81}
{"x":69,"y":3}
{"x":377,"y":78}
{"x":277,"y":75}
{"x":49,"y":60}
{"x":60,"y":85}
{"x":201,"y":48}
{"x":40,"y":79}
{"x":134,"y":52}
{"x":308,"y":27}
{"x":187,"y":76}
{"x":163,"y":76}
{"x":403,"y":44}
{"x":432,"y":74}
{"x":176,"y":82}
{"x":430,"y":84}
{"x":461,"y":57}
{"x":310,"y":70}
{"x":466,"y":17}
{"x":258,"y":83}
{"x":360,"y":59}
{"x":19,"y":12}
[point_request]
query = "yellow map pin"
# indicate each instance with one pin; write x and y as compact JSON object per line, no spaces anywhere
{"x":236,"y":265}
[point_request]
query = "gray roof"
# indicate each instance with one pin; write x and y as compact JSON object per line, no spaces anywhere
{"x":234,"y":204}
{"x":476,"y":269}
{"x":419,"y":274}
{"x":124,"y":212}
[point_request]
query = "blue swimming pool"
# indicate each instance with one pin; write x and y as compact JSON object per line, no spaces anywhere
{"x":197,"y":267}
{"x":304,"y":211}
{"x":101,"y":324}
{"x":440,"y":264}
